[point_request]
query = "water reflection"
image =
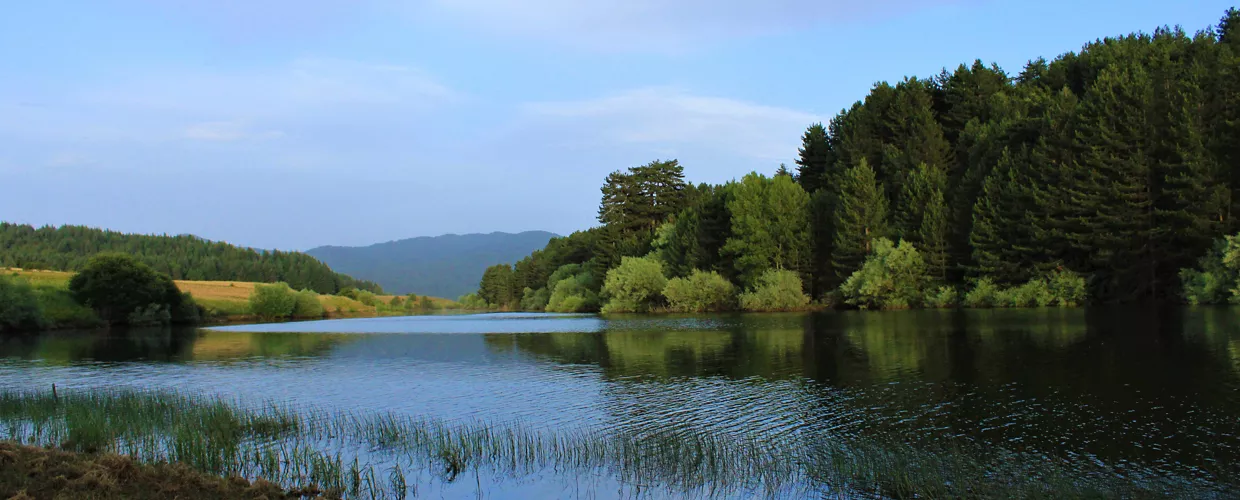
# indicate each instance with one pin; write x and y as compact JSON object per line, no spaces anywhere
{"x":1136,"y":389}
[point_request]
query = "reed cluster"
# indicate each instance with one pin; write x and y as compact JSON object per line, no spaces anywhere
{"x":354,"y":455}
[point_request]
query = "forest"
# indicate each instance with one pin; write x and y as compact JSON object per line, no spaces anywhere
{"x":1108,"y":175}
{"x":68,"y":248}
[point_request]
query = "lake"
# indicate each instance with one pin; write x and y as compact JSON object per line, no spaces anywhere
{"x":1139,"y":395}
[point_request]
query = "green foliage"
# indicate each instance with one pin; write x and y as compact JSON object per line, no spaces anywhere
{"x":893,"y":277}
{"x":19,"y":306}
{"x":61,"y":310}
{"x":1216,"y":279}
{"x":1061,"y":288}
{"x":497,"y":286}
{"x":307,"y":305}
{"x":535,"y":300}
{"x":700,"y":292}
{"x":1115,"y":161}
{"x":396,"y":301}
{"x":770,"y":226}
{"x":367,"y":298}
{"x":69,"y":248}
{"x":572,"y":290}
{"x":985,"y":293}
{"x":775,"y":290}
{"x":273,"y":301}
{"x":117,"y":285}
{"x":150,"y":315}
{"x":635,"y":286}
{"x":860,"y":218}
{"x":472,"y":302}
{"x":943,"y":297}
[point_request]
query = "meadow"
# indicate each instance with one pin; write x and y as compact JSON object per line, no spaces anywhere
{"x":224,"y":301}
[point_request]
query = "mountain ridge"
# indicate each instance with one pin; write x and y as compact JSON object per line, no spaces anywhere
{"x":448,"y":265}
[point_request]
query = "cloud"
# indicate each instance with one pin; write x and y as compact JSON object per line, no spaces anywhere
{"x":666,"y":118}
{"x":662,"y":24}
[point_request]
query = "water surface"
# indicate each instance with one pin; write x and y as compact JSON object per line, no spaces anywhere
{"x":1141,"y":393}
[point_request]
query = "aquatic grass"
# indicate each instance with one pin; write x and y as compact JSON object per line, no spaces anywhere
{"x":360,"y":455}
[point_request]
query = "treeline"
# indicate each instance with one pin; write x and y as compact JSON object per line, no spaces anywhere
{"x":68,"y":248}
{"x":1099,"y":176}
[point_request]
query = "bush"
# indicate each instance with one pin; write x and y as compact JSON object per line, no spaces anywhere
{"x":775,"y":290}
{"x":1067,"y":288}
{"x":942,"y":298}
{"x":634,"y":286}
{"x":700,"y":292}
{"x":117,"y":285}
{"x":985,"y":293}
{"x":367,"y":298}
{"x":395,"y":302}
{"x":307,"y":305}
{"x":273,"y":301}
{"x":535,"y":300}
{"x":892,"y":277}
{"x":472,"y":302}
{"x":572,"y":295}
{"x":61,"y":310}
{"x":1061,"y":288}
{"x":19,"y":306}
{"x":425,"y":303}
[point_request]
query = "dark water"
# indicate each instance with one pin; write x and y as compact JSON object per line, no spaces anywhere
{"x":1139,"y":391}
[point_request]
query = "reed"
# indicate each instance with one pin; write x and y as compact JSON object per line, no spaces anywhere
{"x":354,"y":455}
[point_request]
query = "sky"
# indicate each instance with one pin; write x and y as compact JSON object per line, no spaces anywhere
{"x":291,"y":124}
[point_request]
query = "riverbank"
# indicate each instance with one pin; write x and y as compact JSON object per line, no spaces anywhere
{"x":32,"y":473}
{"x":223,"y":302}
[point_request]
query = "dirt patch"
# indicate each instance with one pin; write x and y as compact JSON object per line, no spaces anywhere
{"x":28,"y":473}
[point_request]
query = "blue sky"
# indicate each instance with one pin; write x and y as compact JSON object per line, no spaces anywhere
{"x":291,"y":124}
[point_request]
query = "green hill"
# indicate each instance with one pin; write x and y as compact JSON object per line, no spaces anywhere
{"x":184,"y":257}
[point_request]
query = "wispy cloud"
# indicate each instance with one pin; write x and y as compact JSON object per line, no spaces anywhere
{"x":663,"y":117}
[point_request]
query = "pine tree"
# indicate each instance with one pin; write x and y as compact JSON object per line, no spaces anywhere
{"x":1114,"y":219}
{"x":815,"y":158}
{"x":933,"y":234}
{"x":860,"y":217}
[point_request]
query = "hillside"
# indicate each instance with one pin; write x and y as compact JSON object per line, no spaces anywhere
{"x":444,"y":266}
{"x":183,"y":257}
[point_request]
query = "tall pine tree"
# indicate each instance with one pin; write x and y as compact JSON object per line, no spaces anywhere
{"x":860,"y":218}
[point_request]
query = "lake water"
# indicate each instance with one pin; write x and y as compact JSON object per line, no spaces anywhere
{"x":1140,"y":393}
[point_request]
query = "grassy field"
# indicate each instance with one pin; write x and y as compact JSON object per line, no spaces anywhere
{"x":224,"y":300}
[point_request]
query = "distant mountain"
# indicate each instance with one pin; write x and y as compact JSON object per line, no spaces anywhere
{"x":442,"y":266}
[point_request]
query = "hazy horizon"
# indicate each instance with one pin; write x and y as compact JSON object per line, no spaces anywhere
{"x":293,"y":125}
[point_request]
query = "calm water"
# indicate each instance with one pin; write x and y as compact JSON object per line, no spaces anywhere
{"x":1144,"y":393}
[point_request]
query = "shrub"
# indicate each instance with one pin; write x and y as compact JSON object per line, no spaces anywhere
{"x":367,"y":298}
{"x":349,"y":292}
{"x":775,"y":290}
{"x":985,"y":293}
{"x":572,"y":295}
{"x":700,"y":292}
{"x":1035,"y":293}
{"x":1067,"y":288}
{"x":116,"y":285}
{"x":892,"y":277}
{"x":634,"y":286}
{"x":535,"y":300}
{"x":471,"y":301}
{"x":307,"y":305}
{"x":425,"y":303}
{"x":273,"y":301}
{"x":19,"y":306}
{"x":395,"y":302}
{"x":942,"y":298}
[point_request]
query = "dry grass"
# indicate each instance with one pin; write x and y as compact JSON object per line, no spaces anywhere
{"x":230,"y":298}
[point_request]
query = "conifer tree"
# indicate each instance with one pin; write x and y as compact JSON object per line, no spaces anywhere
{"x":814,"y":159}
{"x":860,"y":217}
